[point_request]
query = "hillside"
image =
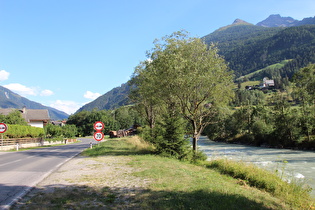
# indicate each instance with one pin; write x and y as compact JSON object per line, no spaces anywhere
{"x":113,"y":99}
{"x":248,"y":48}
{"x":9,"y":99}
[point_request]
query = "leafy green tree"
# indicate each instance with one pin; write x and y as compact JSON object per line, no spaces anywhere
{"x":287,"y":124}
{"x":186,"y":73}
{"x":14,"y":118}
{"x":85,"y":120}
{"x":173,"y":142}
{"x":69,"y":131}
{"x":143,"y":93}
{"x":53,"y":131}
{"x":124,"y":117}
{"x":304,"y":92}
{"x":305,"y":84}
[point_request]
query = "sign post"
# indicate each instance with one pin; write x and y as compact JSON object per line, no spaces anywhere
{"x":3,"y":128}
{"x":98,"y":135}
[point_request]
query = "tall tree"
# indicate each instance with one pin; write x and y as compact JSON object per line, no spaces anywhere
{"x":305,"y":84}
{"x":186,"y":73}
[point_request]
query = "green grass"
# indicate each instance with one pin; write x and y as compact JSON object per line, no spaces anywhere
{"x":82,"y":197}
{"x":273,"y":66}
{"x":174,"y":184}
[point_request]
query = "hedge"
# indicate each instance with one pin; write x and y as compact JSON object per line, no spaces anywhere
{"x":24,"y":131}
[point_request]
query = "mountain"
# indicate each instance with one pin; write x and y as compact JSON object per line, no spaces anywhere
{"x":247,"y":48}
{"x":9,"y":99}
{"x":278,"y":21}
{"x":115,"y":98}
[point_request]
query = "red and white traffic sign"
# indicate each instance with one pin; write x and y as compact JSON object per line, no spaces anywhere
{"x":98,"y":136}
{"x":3,"y":127}
{"x":98,"y":125}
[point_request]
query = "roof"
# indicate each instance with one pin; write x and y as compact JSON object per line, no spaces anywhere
{"x":6,"y":111}
{"x":29,"y":114}
{"x":36,"y":115}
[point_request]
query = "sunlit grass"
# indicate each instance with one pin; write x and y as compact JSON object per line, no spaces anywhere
{"x":251,"y":175}
{"x":174,"y":184}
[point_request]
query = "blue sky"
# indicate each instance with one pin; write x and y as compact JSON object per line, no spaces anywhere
{"x":65,"y":53}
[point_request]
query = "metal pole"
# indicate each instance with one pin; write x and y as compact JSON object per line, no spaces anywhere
{"x":1,"y":141}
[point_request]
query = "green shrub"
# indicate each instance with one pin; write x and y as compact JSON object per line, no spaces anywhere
{"x":24,"y":131}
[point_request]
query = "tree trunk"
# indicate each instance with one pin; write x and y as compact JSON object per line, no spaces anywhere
{"x":195,"y":143}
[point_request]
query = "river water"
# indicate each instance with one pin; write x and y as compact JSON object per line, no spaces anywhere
{"x":294,"y":165}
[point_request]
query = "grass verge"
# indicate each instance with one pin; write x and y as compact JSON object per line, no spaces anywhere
{"x":180,"y":185}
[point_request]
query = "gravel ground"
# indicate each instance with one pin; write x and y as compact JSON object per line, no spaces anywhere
{"x":107,"y":172}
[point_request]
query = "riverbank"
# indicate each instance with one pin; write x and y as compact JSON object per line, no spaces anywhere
{"x":295,"y":165}
{"x":120,"y":175}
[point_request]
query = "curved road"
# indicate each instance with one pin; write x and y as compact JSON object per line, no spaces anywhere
{"x":21,"y":171}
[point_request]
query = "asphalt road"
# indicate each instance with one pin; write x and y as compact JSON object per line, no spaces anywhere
{"x":21,"y":171}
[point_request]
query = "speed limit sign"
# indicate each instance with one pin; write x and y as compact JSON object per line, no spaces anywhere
{"x":98,"y":136}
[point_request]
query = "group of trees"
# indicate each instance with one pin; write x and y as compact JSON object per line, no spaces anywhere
{"x":283,"y":119}
{"x":59,"y":132}
{"x":184,"y":87}
{"x":120,"y":118}
{"x":180,"y":89}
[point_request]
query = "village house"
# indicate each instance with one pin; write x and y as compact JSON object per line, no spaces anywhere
{"x":34,"y":117}
{"x":267,"y":83}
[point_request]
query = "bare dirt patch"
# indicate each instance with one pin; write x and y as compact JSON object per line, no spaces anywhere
{"x":107,"y":179}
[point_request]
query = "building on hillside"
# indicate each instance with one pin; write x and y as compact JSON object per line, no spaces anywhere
{"x":268,"y":83}
{"x":34,"y":117}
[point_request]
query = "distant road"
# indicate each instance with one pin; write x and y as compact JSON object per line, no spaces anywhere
{"x":21,"y":171}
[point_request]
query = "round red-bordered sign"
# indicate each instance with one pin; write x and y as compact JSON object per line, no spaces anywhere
{"x":98,"y":136}
{"x":98,"y":125}
{"x":3,"y":127}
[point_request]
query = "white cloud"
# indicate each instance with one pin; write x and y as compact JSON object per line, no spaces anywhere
{"x":68,"y":107}
{"x":90,"y":95}
{"x":46,"y":93}
{"x":4,"y":75}
{"x":21,"y":89}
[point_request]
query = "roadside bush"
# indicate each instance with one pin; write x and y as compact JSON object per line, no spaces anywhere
{"x":67,"y":131}
{"x":23,"y":131}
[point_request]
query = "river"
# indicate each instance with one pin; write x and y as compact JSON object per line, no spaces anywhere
{"x":291,"y":164}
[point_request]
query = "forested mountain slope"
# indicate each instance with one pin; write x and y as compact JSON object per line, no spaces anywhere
{"x":113,"y":99}
{"x":248,"y":48}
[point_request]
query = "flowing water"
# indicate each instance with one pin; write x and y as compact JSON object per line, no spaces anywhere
{"x":291,"y":165}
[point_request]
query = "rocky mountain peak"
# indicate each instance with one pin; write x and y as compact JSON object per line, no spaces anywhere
{"x":239,"y":21}
{"x":278,"y":21}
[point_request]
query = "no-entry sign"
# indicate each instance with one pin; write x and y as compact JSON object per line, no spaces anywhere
{"x":98,"y":136}
{"x":98,"y":125}
{"x":3,"y":127}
